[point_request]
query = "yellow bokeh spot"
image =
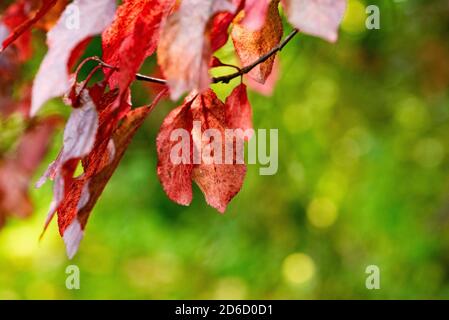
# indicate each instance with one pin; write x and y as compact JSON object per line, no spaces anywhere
{"x":298,"y":268}
{"x":322,"y":212}
{"x":231,"y":289}
{"x":355,"y":17}
{"x":21,"y":242}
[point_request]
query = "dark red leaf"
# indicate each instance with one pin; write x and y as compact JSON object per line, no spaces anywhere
{"x":132,"y":37}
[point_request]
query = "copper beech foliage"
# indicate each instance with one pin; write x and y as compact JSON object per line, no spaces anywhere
{"x":183,"y":35}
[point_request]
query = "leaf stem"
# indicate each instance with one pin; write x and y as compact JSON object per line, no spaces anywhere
{"x":221,"y":79}
{"x":262,"y":59}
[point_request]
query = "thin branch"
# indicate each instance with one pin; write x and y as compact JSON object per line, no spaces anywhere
{"x":262,"y":59}
{"x":142,"y":77}
{"x":222,"y":79}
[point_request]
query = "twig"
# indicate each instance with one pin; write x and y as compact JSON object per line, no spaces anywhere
{"x":142,"y":77}
{"x":222,"y":79}
{"x":262,"y":59}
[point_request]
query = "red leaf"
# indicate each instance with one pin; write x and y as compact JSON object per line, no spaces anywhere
{"x":184,"y":52}
{"x":27,"y":24}
{"x":238,"y":110}
{"x":218,"y":180}
{"x":74,"y":198}
{"x":176,"y":178}
{"x":132,"y":37}
{"x":219,"y":31}
{"x":319,"y":18}
{"x":251,"y":45}
{"x":215,"y":62}
{"x":52,"y":79}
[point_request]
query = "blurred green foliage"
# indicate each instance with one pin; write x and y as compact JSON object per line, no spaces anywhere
{"x":363,"y":180}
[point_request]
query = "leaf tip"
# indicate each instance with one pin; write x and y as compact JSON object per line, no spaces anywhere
{"x":72,"y":238}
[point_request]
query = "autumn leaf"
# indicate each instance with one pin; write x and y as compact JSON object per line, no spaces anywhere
{"x":176,"y":177}
{"x":319,"y":18}
{"x":79,"y":135}
{"x":218,"y":180}
{"x":132,"y":37}
{"x":185,"y":49}
{"x":267,"y":88}
{"x":193,"y":143}
{"x":52,"y":79}
{"x":238,"y":113}
{"x":255,"y":14}
{"x":250,"y":45}
{"x":221,"y":22}
{"x":75,"y":197}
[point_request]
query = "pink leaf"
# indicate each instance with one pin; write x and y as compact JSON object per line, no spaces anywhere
{"x":319,"y":18}
{"x":79,"y":135}
{"x":184,"y":52}
{"x":52,"y":79}
{"x":255,"y":14}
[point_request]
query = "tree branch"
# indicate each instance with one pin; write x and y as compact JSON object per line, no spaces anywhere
{"x":262,"y":59}
{"x":222,"y":79}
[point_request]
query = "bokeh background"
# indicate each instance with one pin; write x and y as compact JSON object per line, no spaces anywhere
{"x":363,"y":180}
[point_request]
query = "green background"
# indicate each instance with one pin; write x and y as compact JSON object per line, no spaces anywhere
{"x":363,"y":180}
